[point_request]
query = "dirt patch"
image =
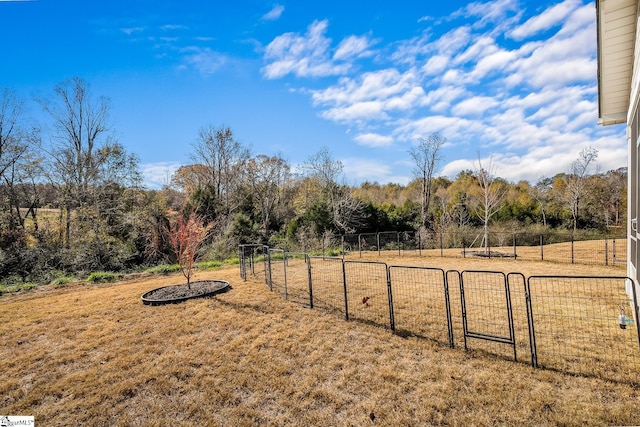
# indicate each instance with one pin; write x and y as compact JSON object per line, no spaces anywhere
{"x":178,"y":293}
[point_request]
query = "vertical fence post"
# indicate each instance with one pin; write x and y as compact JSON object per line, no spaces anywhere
{"x":541,"y":247}
{"x":268,"y":266}
{"x":346,"y":302}
{"x":378,"y":242}
{"x":606,"y":251}
{"x":342,"y":238}
{"x":512,"y":332}
{"x":398,"y":241}
{"x":419,"y":244}
{"x":532,"y":333}
{"x":572,"y":252}
{"x":614,"y":251}
{"x":284,"y":266}
{"x":360,"y":244}
{"x":243,"y":263}
{"x":310,"y":280}
{"x":515,"y":252}
{"x":392,"y":319}
{"x":441,"y":244}
{"x":465,"y":328}
{"x":464,"y":248}
{"x":447,"y":301}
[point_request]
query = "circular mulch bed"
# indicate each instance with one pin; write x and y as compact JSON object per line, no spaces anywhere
{"x":179,"y":293}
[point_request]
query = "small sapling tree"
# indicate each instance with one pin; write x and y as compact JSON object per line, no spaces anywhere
{"x":186,"y":236}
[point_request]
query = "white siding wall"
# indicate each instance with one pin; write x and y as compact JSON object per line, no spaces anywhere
{"x":633,"y":139}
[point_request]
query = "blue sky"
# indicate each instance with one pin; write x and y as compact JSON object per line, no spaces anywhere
{"x":507,"y":79}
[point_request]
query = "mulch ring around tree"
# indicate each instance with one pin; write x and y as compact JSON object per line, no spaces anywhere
{"x":178,"y":293}
{"x":489,"y":254}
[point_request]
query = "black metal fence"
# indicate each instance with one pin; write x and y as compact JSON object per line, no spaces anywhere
{"x":581,"y":248}
{"x":580,"y":324}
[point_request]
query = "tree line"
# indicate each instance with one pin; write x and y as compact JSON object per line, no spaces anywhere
{"x":72,"y":198}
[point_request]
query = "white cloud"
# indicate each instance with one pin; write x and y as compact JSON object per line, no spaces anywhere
{"x":450,"y":127}
{"x":374,"y":140}
{"x":582,"y":17}
{"x":453,"y":41}
{"x":157,"y":175}
{"x":482,"y":46}
{"x":352,"y":47}
{"x":204,"y":60}
{"x":373,"y":96}
{"x":435,"y":65}
{"x":496,"y":61}
{"x":303,"y":56}
{"x":549,"y":18}
{"x":473,"y":106}
{"x":132,"y":30}
{"x":496,"y":12}
{"x":362,"y":169}
{"x":274,"y":14}
{"x":439,"y":100}
{"x":453,"y":77}
{"x":171,"y":27}
{"x":414,"y":97}
{"x":566,"y":58}
{"x":357,"y":112}
{"x":406,"y":51}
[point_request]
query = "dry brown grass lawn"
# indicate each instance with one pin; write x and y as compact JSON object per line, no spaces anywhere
{"x":94,"y":355}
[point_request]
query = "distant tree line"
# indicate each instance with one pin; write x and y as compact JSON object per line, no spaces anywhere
{"x":72,"y":199}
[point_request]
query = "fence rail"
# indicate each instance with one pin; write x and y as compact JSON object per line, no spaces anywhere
{"x":577,"y":324}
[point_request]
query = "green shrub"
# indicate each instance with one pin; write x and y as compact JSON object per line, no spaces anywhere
{"x":63,"y":280}
{"x":209,"y":265}
{"x":18,"y":287}
{"x":103,"y":277}
{"x":164,"y":269}
{"x":334,"y":252}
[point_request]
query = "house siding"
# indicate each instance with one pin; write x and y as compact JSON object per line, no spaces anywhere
{"x":633,"y":141}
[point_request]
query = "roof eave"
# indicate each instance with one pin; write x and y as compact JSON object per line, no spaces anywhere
{"x":616,"y":26}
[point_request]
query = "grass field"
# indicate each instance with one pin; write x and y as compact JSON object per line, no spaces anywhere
{"x":94,"y":355}
{"x":576,"y":319}
{"x":596,"y":252}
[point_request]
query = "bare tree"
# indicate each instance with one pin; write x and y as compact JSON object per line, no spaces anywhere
{"x":542,"y":193}
{"x":445,"y":216}
{"x":270,"y":179}
{"x":18,"y":159}
{"x":603,"y":197}
{"x":492,"y":194}
{"x":83,"y":155}
{"x":617,"y":185}
{"x":79,"y":124}
{"x":347,"y":213}
{"x":225,"y":159}
{"x":581,"y":168}
{"x":427,"y":158}
{"x":324,"y":169}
